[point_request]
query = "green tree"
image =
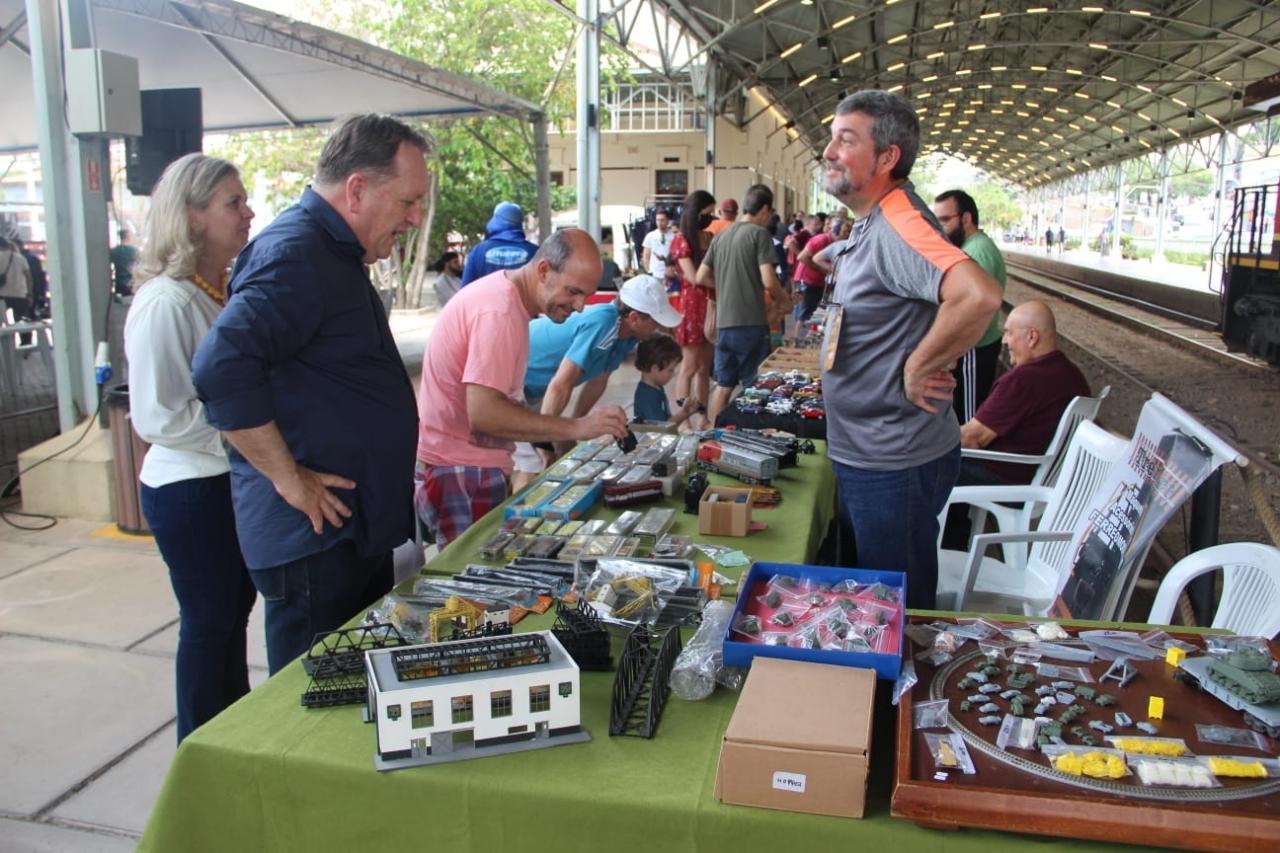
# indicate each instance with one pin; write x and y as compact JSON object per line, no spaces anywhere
{"x":997,"y":211}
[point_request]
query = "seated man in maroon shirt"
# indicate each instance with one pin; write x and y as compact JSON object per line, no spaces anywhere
{"x":1025,"y":404}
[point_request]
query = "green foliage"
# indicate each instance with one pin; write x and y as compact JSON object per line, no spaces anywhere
{"x":277,"y":162}
{"x":1193,"y":184}
{"x":1190,"y":258}
{"x":997,"y":211}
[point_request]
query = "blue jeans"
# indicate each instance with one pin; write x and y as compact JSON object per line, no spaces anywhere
{"x":195,"y":529}
{"x":894,"y":519}
{"x":317,"y":594}
{"x":739,"y":352}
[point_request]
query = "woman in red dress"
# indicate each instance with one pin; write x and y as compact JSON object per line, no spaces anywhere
{"x":687,"y":250}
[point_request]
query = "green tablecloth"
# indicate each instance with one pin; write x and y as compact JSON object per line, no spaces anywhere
{"x":796,"y":527}
{"x":268,"y":775}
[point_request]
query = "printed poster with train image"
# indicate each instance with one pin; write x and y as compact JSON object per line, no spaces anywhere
{"x":1169,"y":456}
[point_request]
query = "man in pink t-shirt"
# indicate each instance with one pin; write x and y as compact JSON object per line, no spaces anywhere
{"x":469,"y":410}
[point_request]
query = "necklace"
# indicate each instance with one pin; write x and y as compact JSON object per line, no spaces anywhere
{"x":217,"y":294}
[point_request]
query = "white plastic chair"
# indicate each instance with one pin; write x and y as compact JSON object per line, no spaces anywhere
{"x":1250,"y":602}
{"x":1035,"y":561}
{"x":1049,"y":463}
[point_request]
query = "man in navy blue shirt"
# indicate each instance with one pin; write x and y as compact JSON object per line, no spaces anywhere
{"x":301,"y":374}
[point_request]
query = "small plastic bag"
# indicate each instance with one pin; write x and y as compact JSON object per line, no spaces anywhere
{"x":949,"y":752}
{"x":931,"y":715}
{"x":946,"y":641}
{"x":1242,"y":767}
{"x":1017,"y":733}
{"x":749,"y":625}
{"x":921,"y":635}
{"x":1071,"y":673}
{"x":1023,"y":636}
{"x":1162,"y":747}
{"x":995,"y":649}
{"x":976,"y":629}
{"x":934,"y":657}
{"x":1228,"y":736}
{"x":774,"y":638}
{"x":1091,"y":761}
{"x":1158,"y":639}
{"x":906,"y":680}
{"x":881,"y":592}
{"x":1174,"y":772}
{"x":1057,"y":651}
{"x":1219,"y":645}
{"x":1025,"y":656}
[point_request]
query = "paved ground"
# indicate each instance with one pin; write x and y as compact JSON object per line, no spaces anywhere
{"x":88,"y":634}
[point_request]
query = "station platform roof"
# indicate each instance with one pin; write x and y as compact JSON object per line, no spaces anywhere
{"x":1031,"y":90}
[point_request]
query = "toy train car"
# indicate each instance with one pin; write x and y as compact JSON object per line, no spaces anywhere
{"x":746,"y":465}
{"x":1251,"y":274}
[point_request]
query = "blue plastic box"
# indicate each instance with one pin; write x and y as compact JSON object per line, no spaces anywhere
{"x":887,"y":666}
{"x":515,"y":506}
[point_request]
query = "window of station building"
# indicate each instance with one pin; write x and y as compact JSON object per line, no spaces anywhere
{"x":539,"y":698}
{"x":566,"y":689}
{"x":393,"y":712}
{"x":671,"y":182}
{"x":422,"y":714}
{"x":500,"y":703}
{"x":557,"y":179}
{"x":462,"y":709}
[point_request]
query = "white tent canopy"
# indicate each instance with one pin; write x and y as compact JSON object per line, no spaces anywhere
{"x":255,"y":69}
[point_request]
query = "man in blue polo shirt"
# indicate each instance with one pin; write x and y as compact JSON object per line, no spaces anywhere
{"x":585,"y":350}
{"x":301,"y":374}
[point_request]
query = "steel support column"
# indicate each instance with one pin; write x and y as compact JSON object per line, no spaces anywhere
{"x":75,"y":175}
{"x":1086,"y":242}
{"x":709,"y":95}
{"x":1117,"y":212}
{"x":1162,"y":204}
{"x":1220,"y":190}
{"x":589,"y":118}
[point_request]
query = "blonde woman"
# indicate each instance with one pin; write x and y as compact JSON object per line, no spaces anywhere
{"x":199,"y":221}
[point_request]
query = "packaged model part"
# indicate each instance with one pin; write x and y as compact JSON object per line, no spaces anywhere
{"x":1167,"y":747}
{"x":1174,"y":772}
{"x":624,"y":523}
{"x":1229,"y":736}
{"x":1094,"y":762}
{"x":1071,"y":673}
{"x":931,"y":715}
{"x":949,"y":752}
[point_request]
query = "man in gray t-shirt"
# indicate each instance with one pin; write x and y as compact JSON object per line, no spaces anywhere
{"x":739,"y":265}
{"x":906,"y":304}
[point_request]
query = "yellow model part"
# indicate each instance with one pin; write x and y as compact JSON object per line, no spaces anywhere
{"x":1097,"y":765}
{"x":454,"y":608}
{"x":1237,"y":769}
{"x":1146,"y":746}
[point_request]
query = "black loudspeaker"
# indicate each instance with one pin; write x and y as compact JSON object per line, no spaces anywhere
{"x":172,"y":125}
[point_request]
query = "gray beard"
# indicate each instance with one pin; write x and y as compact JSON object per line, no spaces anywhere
{"x":839,"y":187}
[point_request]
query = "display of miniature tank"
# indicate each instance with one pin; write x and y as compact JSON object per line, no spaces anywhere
{"x":1237,"y":680}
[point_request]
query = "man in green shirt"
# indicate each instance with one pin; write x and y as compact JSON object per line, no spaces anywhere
{"x":957,"y":213}
{"x":739,"y":267}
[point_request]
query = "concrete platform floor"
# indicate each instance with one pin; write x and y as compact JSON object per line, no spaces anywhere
{"x":88,"y":636}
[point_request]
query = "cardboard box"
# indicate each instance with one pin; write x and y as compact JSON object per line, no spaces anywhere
{"x":738,"y":653}
{"x":799,"y":739}
{"x":727,"y":515}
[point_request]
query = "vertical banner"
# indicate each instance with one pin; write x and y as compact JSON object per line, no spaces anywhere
{"x":1169,"y":456}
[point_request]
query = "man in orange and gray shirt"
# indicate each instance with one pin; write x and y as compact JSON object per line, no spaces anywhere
{"x":906,"y":304}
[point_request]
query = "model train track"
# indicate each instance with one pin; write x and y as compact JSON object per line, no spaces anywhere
{"x":1159,"y":321}
{"x":938,"y":690}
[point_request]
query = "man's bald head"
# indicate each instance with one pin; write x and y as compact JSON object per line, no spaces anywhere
{"x":567,"y":268}
{"x":1030,"y":332}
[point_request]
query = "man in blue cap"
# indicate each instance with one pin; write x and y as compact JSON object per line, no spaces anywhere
{"x":504,"y":246}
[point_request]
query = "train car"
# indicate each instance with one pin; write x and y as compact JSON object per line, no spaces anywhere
{"x":1251,"y":274}
{"x":1251,"y":268}
{"x":748,"y":466}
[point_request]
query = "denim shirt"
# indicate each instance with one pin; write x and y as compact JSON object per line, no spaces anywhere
{"x":304,"y":342}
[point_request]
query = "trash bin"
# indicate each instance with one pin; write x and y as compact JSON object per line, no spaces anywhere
{"x":127,"y":451}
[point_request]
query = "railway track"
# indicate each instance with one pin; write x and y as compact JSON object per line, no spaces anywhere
{"x":1196,"y":333}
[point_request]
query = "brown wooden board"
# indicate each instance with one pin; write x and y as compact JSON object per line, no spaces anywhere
{"x":1004,"y":794}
